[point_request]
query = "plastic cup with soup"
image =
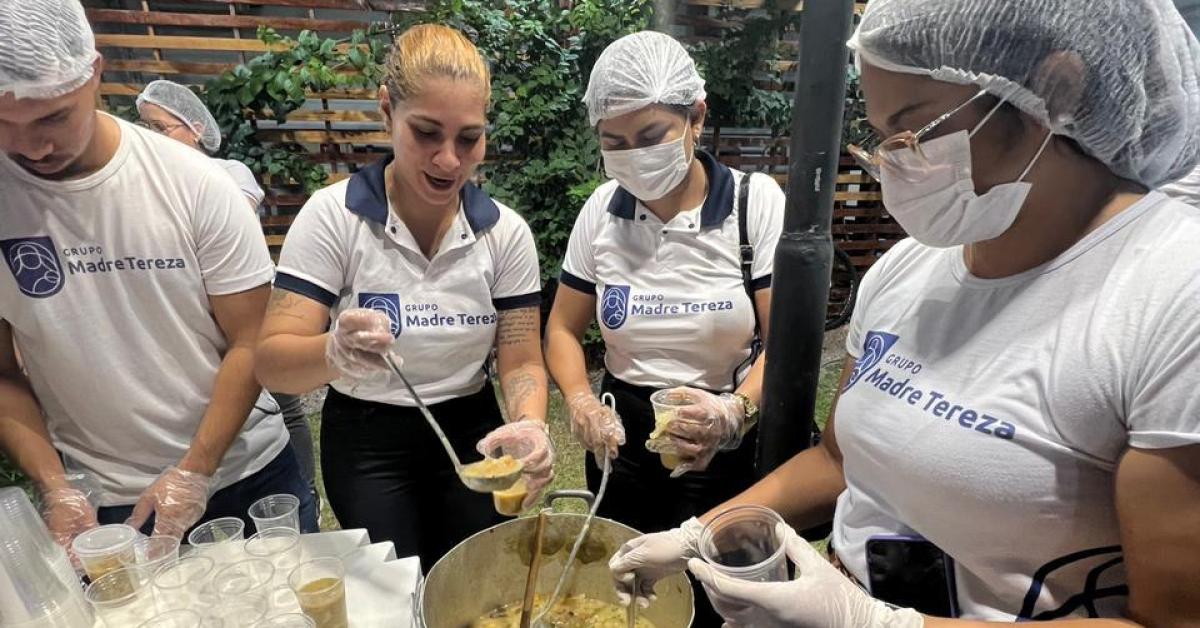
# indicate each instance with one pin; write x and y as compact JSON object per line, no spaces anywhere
{"x":122,"y":597}
{"x":666,"y":404}
{"x":105,"y":549}
{"x":741,"y":543}
{"x":320,"y":587}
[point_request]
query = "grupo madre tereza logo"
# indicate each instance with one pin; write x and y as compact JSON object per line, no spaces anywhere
{"x":875,"y":347}
{"x":34,"y":264}
{"x":384,"y":302}
{"x":614,"y":306}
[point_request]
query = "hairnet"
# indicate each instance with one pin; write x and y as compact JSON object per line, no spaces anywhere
{"x":638,"y":70}
{"x":184,"y":104}
{"x":1117,"y":76}
{"x":46,"y":48}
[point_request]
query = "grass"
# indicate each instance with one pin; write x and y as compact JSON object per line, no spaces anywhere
{"x":569,"y":453}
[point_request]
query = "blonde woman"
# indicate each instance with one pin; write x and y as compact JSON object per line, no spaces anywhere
{"x":409,"y":257}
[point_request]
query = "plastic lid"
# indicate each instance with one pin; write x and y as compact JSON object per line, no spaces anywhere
{"x":104,"y":540}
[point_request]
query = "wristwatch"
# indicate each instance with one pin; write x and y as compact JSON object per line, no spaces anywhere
{"x":749,"y":410}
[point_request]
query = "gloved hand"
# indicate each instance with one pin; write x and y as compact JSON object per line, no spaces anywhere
{"x":595,"y":425}
{"x":357,"y":342}
{"x":705,"y":427}
{"x":819,"y":597}
{"x":652,"y":557}
{"x":67,"y":513}
{"x":526,"y":440}
{"x":177,"y":498}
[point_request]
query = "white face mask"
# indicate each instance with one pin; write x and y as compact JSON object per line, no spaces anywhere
{"x":934,"y":197}
{"x":648,"y":173}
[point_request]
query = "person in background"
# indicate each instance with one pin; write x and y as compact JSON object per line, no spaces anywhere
{"x":1018,"y":427}
{"x":178,"y":113}
{"x":411,"y":259}
{"x":134,"y":284}
{"x":658,"y":257}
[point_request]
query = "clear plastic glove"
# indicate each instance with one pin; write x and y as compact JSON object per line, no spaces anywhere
{"x":707,"y":426}
{"x":652,"y":557}
{"x":357,"y":342}
{"x":595,"y":425}
{"x":67,"y":513}
{"x":526,"y":440}
{"x":177,"y":498}
{"x":819,"y":597}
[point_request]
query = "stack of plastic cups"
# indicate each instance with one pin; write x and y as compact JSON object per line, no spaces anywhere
{"x":38,"y":587}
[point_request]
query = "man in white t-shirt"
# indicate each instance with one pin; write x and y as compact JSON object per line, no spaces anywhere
{"x":134,"y":284}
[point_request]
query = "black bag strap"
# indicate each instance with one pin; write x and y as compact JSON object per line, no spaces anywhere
{"x":746,"y":249}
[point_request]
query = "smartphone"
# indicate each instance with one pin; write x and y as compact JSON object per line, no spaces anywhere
{"x":910,"y":572}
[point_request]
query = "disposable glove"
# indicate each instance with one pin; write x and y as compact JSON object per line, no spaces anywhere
{"x":708,"y":425}
{"x":651,"y":557}
{"x":819,"y":597}
{"x":526,"y":440}
{"x":595,"y":424}
{"x":68,"y":513}
{"x":357,"y":342}
{"x":177,"y":498}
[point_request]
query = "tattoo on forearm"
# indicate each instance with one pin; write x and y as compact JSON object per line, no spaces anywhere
{"x":519,"y":388}
{"x":282,"y":301}
{"x":517,"y":326}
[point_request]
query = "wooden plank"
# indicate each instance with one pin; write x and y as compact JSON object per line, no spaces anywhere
{"x":353,"y":5}
{"x":857,"y":196}
{"x":120,"y":89}
{"x":171,"y":42}
{"x":326,"y":137}
{"x":326,"y":115}
{"x":274,"y":240}
{"x":161,"y":18}
{"x":165,"y":67}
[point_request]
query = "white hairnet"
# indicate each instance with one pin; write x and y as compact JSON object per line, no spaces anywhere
{"x":638,"y":70}
{"x":184,"y":104}
{"x":1117,"y":76}
{"x":46,"y":48}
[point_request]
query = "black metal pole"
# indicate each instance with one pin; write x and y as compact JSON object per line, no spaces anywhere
{"x":800,"y":287}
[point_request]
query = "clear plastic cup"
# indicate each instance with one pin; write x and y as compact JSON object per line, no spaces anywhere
{"x":178,"y":618}
{"x":220,"y":539}
{"x":151,"y":552}
{"x":245,"y":589}
{"x":122,"y":597}
{"x":280,"y":546}
{"x":666,"y":405}
{"x":290,"y":620}
{"x":320,"y":587}
{"x":276,"y":511}
{"x":105,"y":548}
{"x":741,"y":543}
{"x":184,"y":583}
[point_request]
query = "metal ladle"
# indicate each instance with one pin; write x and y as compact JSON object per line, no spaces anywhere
{"x":481,"y":483}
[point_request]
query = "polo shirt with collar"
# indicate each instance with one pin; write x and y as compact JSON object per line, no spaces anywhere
{"x":347,"y":250}
{"x":671,"y":303}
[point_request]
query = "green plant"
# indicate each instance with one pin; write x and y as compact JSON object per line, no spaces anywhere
{"x":544,"y":157}
{"x":736,"y":66}
{"x":276,"y":83}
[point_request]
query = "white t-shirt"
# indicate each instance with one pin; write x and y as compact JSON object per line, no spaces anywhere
{"x":670,"y":298}
{"x":988,"y":416}
{"x":244,"y":178}
{"x":347,"y":250}
{"x":106,"y":285}
{"x":1186,"y":189}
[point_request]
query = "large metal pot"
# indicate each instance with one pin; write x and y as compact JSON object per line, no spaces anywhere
{"x":488,"y":570}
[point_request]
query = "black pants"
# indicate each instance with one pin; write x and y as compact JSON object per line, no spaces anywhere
{"x":641,"y":492}
{"x":385,"y":470}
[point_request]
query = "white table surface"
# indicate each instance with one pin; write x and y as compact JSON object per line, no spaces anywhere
{"x":379,"y":587}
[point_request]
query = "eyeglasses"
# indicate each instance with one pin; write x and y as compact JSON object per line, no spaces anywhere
{"x":159,"y":127}
{"x":870,"y":159}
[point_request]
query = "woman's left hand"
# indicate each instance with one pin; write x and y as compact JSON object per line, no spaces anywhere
{"x":819,"y":597}
{"x":527,"y":440}
{"x":704,"y":427}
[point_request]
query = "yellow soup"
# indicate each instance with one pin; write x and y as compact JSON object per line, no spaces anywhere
{"x":573,"y":611}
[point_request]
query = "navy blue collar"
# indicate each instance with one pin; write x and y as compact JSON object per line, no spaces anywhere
{"x":717,"y":206}
{"x":366,"y":195}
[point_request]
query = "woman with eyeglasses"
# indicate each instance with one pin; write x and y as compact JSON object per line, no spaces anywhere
{"x":1017,"y":434}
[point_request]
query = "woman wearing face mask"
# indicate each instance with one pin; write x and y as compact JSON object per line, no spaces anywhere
{"x":656,"y":258}
{"x":1017,"y":435}
{"x":409,"y":258}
